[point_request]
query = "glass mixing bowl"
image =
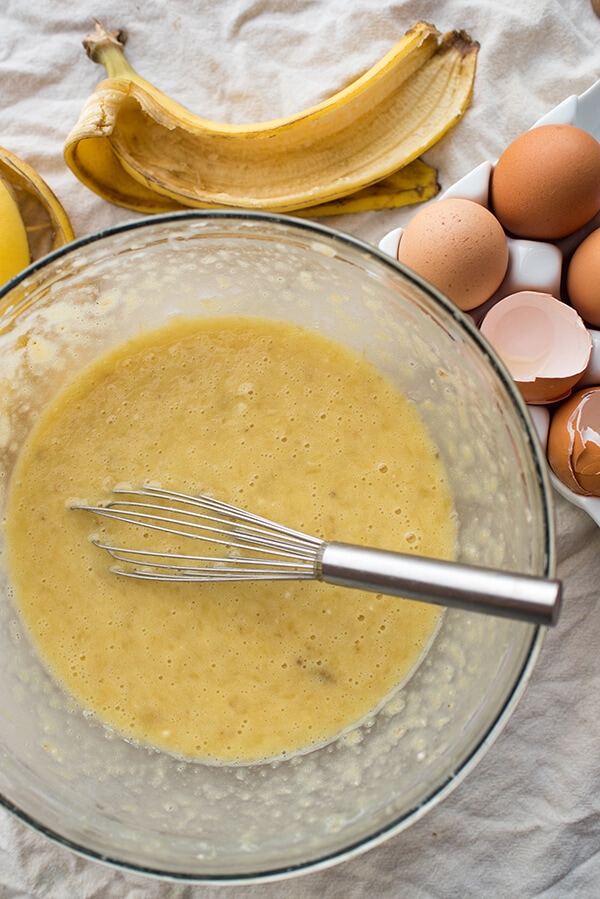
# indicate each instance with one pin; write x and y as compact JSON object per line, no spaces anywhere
{"x":74,"y":780}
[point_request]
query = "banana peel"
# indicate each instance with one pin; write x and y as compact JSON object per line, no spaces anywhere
{"x":46,"y":222}
{"x":415,"y":183}
{"x":140,"y":149}
{"x":14,"y":245}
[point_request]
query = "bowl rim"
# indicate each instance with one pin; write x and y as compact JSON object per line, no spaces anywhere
{"x":330,"y":858}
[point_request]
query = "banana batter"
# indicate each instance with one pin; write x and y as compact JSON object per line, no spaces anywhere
{"x":269,"y":417}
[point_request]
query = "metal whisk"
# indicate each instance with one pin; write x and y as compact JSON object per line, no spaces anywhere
{"x":245,"y":546}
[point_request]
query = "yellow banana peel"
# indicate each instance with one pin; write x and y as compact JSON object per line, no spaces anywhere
{"x":46,"y":223}
{"x":14,"y":246}
{"x":140,"y":149}
{"x":414,"y":183}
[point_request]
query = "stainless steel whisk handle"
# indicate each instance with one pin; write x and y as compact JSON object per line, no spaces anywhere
{"x":536,"y":600}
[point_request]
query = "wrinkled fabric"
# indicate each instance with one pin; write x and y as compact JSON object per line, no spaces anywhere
{"x":526,"y":820}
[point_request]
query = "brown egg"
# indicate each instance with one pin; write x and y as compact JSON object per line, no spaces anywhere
{"x":546,"y":184}
{"x":583,"y":279}
{"x":574,"y":442}
{"x":459,"y":247}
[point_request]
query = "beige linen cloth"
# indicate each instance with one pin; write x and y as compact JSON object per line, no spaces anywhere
{"x":526,"y":821}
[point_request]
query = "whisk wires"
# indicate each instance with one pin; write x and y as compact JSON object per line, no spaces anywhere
{"x":243,"y":545}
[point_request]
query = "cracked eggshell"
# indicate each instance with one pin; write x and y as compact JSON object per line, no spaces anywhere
{"x":542,"y":341}
{"x":573,"y":447}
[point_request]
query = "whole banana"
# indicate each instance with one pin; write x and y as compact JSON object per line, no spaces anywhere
{"x":139,"y":149}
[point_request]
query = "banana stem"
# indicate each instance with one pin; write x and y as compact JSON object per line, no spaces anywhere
{"x":107,"y":48}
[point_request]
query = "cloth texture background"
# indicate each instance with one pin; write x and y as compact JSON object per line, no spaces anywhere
{"x":526,"y":821}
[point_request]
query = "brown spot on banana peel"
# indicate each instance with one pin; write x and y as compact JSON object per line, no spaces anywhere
{"x":461,"y":41}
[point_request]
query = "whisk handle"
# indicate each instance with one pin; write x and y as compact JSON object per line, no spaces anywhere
{"x":536,"y":600}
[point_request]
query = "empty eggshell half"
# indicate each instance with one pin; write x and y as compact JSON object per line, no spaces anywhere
{"x":574,"y":442}
{"x":542,"y":341}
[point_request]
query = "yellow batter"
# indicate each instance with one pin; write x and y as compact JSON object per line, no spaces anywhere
{"x":267,"y":416}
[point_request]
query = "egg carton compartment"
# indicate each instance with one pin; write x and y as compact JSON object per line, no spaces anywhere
{"x":536,"y":265}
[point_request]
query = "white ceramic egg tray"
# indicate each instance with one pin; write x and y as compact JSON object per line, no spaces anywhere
{"x":534,"y":265}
